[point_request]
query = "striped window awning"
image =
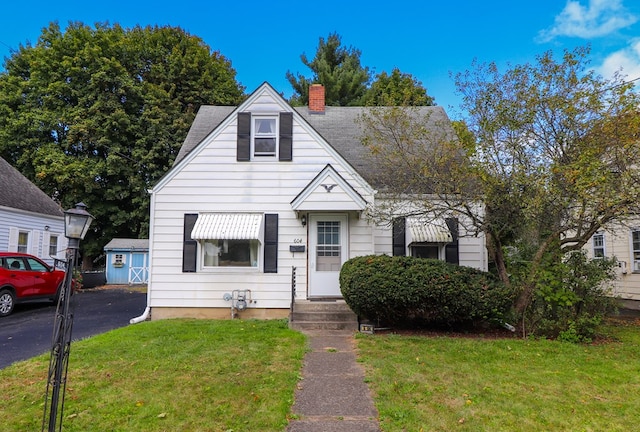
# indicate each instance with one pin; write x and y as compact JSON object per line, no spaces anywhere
{"x":227,"y":226}
{"x":428,"y":231}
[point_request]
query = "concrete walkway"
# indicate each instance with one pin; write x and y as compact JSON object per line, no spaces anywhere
{"x":332,"y":396}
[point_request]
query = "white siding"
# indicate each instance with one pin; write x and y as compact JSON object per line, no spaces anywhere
{"x":18,"y":220}
{"x":617,"y":239}
{"x":472,"y":249}
{"x":213,"y":181}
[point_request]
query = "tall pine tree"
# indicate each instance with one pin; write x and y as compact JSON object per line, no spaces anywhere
{"x":338,"y":69}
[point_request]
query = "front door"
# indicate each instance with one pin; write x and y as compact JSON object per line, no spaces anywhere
{"x":328,"y":250}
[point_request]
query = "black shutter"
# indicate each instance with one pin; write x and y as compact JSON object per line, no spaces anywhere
{"x":244,"y":137}
{"x":286,"y":136}
{"x":451,"y":250}
{"x":271,"y":243}
{"x":399,"y":239}
{"x":189,"y":246}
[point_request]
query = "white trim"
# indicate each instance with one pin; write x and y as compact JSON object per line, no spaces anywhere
{"x":326,"y":283}
{"x":635,"y":268}
{"x":36,"y":214}
{"x":601,"y":235}
{"x":326,"y":187}
{"x":274,"y":135}
{"x":231,"y":118}
{"x":264,"y":89}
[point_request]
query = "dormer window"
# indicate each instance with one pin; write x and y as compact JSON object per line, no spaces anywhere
{"x":264,"y":136}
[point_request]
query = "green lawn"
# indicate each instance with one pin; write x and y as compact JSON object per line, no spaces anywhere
{"x":172,"y":375}
{"x":198,"y":375}
{"x":457,"y":384}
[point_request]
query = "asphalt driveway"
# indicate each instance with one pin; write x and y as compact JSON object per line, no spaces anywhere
{"x":27,"y":331}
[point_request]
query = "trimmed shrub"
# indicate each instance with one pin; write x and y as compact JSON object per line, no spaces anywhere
{"x":415,"y":291}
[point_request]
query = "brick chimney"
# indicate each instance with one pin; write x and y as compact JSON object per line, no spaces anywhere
{"x":316,"y":98}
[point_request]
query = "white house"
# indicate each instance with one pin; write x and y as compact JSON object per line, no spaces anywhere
{"x":264,"y":196}
{"x":621,"y":241}
{"x":30,"y":221}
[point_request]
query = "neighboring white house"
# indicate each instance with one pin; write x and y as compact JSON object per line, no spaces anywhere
{"x":30,"y":221}
{"x":621,"y":241}
{"x":262,"y":189}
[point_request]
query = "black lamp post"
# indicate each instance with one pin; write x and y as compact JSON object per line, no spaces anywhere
{"x":76,"y":225}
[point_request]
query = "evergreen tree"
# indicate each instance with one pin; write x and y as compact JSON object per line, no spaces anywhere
{"x":338,"y":69}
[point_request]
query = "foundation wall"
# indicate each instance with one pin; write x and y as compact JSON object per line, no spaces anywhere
{"x":158,"y":313}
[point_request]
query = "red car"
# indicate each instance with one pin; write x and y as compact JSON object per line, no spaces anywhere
{"x":24,"y":278}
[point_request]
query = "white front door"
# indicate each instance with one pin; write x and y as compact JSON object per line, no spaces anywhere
{"x":328,"y":250}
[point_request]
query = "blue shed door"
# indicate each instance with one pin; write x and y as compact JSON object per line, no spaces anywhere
{"x":138,"y":269}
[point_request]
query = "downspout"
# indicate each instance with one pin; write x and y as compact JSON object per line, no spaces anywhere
{"x":147,"y":309}
{"x":143,"y":317}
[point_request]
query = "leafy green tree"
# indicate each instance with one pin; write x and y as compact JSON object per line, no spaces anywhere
{"x":98,"y":115}
{"x":555,"y":159}
{"x":397,"y":89}
{"x":338,"y":69}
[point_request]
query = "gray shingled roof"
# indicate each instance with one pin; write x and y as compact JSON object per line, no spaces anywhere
{"x":16,"y":191}
{"x":337,"y":125}
{"x":207,"y":119}
{"x":127,"y":243}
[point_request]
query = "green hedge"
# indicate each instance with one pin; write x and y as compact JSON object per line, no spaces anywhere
{"x":406,"y":290}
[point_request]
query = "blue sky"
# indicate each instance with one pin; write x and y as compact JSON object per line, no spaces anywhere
{"x":427,"y":39}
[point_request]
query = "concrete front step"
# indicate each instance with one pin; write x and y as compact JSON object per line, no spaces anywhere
{"x":323,"y":315}
{"x":317,"y":306}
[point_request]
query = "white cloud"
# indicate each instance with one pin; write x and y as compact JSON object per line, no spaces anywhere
{"x":627,"y":61}
{"x":598,"y":18}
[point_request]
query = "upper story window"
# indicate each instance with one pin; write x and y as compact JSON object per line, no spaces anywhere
{"x":598,"y":245}
{"x":265,"y":136}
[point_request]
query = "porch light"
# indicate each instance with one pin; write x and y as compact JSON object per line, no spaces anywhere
{"x":76,"y":223}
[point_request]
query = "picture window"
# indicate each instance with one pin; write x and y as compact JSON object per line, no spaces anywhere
{"x":230,"y":253}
